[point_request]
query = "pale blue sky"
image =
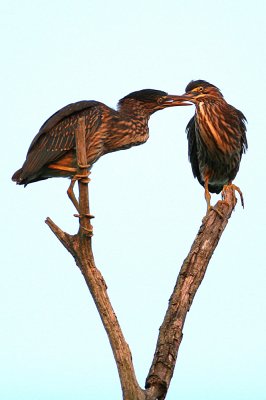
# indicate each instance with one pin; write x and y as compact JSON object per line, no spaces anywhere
{"x":147,"y":205}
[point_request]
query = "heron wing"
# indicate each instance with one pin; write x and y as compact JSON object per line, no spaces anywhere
{"x":57,"y":135}
{"x":192,"y":148}
{"x":242,"y":128}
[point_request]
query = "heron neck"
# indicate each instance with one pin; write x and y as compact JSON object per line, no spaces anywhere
{"x":135,"y":111}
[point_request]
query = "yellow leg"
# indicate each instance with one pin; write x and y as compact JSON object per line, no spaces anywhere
{"x":240,"y":193}
{"x":208,"y":198}
{"x":71,"y":194}
{"x":70,"y":191}
{"x":207,"y":194}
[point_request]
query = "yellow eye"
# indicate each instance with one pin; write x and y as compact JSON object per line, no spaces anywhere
{"x":198,"y":89}
{"x":160,"y":100}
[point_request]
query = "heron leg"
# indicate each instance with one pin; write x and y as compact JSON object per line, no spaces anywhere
{"x":240,"y":193}
{"x":71,"y":194}
{"x":70,"y":191}
{"x":207,"y":194}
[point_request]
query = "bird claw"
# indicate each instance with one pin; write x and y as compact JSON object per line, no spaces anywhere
{"x":235,"y":188}
{"x":211,"y":208}
{"x":84,"y":165}
{"x":240,"y":194}
{"x":84,"y":215}
{"x":87,"y":231}
{"x":84,"y":178}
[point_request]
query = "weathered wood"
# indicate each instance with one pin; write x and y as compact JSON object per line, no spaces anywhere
{"x":83,"y":179}
{"x":80,"y":247}
{"x":187,"y":284}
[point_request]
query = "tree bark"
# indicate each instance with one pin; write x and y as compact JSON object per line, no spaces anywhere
{"x":187,"y":284}
{"x":80,"y":247}
{"x":189,"y":279}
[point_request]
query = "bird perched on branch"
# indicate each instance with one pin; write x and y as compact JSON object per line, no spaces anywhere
{"x":52,"y":152}
{"x":216,"y":138}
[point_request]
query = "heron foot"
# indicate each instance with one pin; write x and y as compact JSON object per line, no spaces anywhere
{"x":84,"y":215}
{"x":88,"y":231}
{"x":211,"y":208}
{"x":84,"y":165}
{"x":84,"y":178}
{"x":235,"y":188}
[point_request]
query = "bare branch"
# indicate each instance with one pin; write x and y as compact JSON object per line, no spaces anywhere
{"x":98,"y":290}
{"x":79,"y":246}
{"x":64,"y":237}
{"x":188,"y":282}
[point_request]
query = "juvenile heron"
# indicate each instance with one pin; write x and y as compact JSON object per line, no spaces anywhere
{"x":52,"y":152}
{"x":216,"y":138}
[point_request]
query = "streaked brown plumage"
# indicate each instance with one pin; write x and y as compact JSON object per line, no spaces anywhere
{"x":216,"y":137}
{"x":52,"y":151}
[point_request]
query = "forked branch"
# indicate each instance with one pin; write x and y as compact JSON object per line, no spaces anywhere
{"x":188,"y":281}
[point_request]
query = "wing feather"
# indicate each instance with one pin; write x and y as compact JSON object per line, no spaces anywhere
{"x":57,"y":135}
{"x":192,"y":148}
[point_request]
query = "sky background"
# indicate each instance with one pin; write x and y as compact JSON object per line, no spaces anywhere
{"x":147,"y":205}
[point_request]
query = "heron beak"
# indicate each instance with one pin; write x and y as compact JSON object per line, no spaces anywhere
{"x":174,"y":101}
{"x":189,"y":96}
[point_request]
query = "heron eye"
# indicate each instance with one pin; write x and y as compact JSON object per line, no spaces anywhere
{"x":200,"y":89}
{"x":160,"y":100}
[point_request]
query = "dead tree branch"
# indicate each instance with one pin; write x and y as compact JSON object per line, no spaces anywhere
{"x":80,"y":247}
{"x":187,"y":284}
{"x":188,"y":281}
